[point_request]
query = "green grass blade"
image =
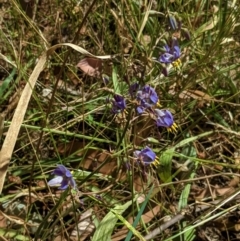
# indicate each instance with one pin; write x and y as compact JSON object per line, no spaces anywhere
{"x":130,"y":227}
{"x":136,"y":221}
{"x":5,"y":85}
{"x":107,"y":225}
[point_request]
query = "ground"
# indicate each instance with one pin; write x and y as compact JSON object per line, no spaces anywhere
{"x":119,"y":120}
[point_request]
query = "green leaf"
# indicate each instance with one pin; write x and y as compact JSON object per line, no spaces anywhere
{"x":165,"y":169}
{"x":115,"y":81}
{"x":191,"y":139}
{"x":12,"y":234}
{"x":5,"y":85}
{"x":107,"y":225}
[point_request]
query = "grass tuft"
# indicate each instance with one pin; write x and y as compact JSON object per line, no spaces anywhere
{"x":139,"y":100}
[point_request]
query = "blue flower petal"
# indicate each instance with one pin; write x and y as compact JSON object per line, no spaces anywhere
{"x":164,"y":118}
{"x":140,"y":109}
{"x":60,"y":170}
{"x":146,"y":155}
{"x":154,"y":98}
{"x":63,"y":178}
{"x":72,"y":183}
{"x":167,"y":49}
{"x":171,"y":54}
{"x":119,"y":104}
{"x":166,"y":58}
{"x":64,"y":184}
{"x":136,"y":153}
{"x":147,"y":97}
{"x":159,"y":113}
{"x":168,"y":121}
{"x":149,"y":154}
{"x":56,"y":181}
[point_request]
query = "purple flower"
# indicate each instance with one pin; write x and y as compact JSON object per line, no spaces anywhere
{"x":133,"y":88}
{"x":147,"y":97}
{"x":174,"y":24}
{"x":165,"y":119}
{"x":118,"y":104}
{"x":63,"y":178}
{"x":147,"y":156}
{"x":171,"y":54}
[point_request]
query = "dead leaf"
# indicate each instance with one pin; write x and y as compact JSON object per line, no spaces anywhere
{"x":59,"y":238}
{"x":141,"y":182}
{"x":146,"y":40}
{"x":237,"y":157}
{"x":67,"y":149}
{"x":234,"y":182}
{"x":92,"y":158}
{"x":237,"y":227}
{"x":91,"y":66}
{"x":201,"y":195}
{"x":127,"y":47}
{"x":143,"y":129}
{"x":13,"y":101}
{"x":216,"y":192}
{"x":148,"y":216}
{"x":224,"y":191}
{"x":85,"y":226}
{"x":208,"y":25}
{"x":2,"y":118}
{"x":201,"y":155}
{"x":195,"y":94}
{"x":218,"y":167}
{"x":15,"y":179}
{"x":3,"y":221}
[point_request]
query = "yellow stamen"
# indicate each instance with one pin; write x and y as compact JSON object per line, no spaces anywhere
{"x":158,"y":104}
{"x":155,"y":162}
{"x":177,"y":64}
{"x":173,"y":128}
